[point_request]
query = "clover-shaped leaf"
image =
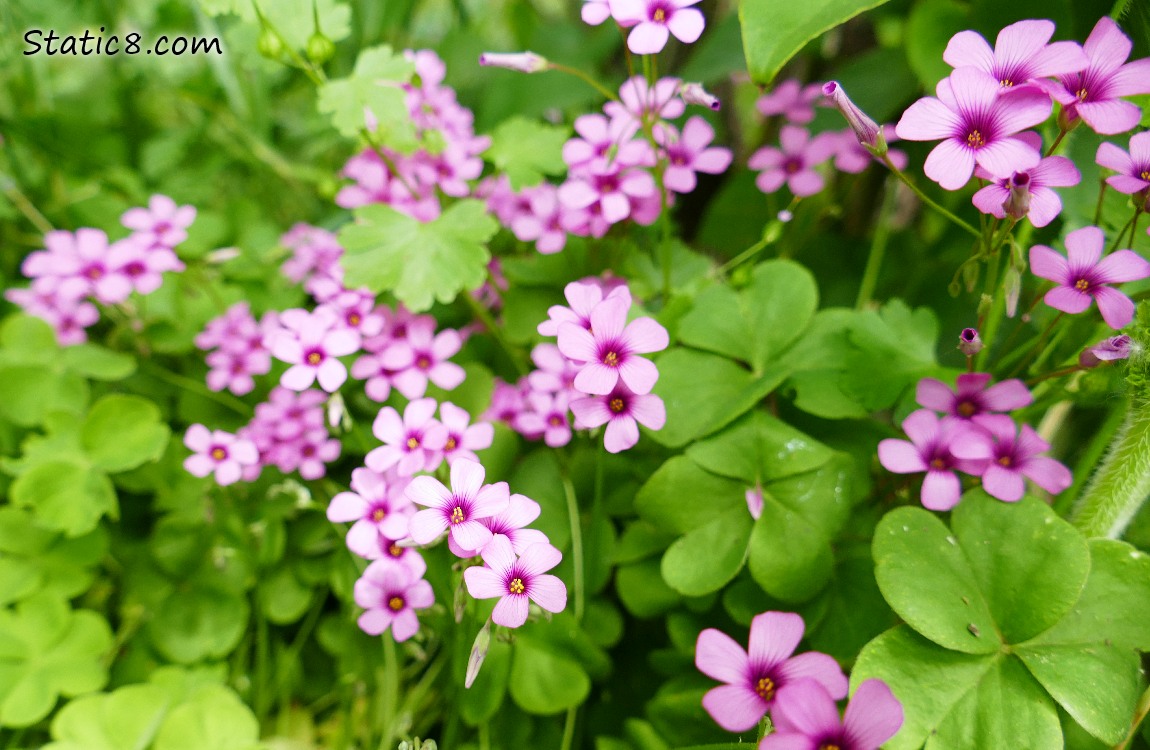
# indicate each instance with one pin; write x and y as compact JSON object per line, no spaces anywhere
{"x":373,"y":86}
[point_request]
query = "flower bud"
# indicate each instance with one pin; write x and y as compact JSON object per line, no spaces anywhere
{"x":223,"y":255}
{"x":694,"y":93}
{"x":524,"y":62}
{"x":270,"y":45}
{"x":867,"y":131}
{"x":1017,"y":204}
{"x":1107,"y":350}
{"x":969,"y":342}
{"x":320,"y":49}
{"x":1013,"y":287}
{"x":478,"y":653}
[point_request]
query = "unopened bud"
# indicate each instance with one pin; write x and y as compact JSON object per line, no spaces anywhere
{"x":694,"y":93}
{"x":524,"y":62}
{"x":319,"y":48}
{"x":1012,"y":287}
{"x":478,"y":653}
{"x":223,"y":255}
{"x":969,"y":342}
{"x":337,"y":414}
{"x":1017,"y":204}
{"x":866,"y":130}
{"x":1106,"y":350}
{"x":270,"y":45}
{"x":1068,"y":118}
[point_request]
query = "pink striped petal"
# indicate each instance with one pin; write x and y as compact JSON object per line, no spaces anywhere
{"x":549,"y":593}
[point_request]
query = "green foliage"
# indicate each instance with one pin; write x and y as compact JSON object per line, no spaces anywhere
{"x":121,"y":432}
{"x":526,"y":151}
{"x":33,"y":559}
{"x":419,"y":263}
{"x":373,"y":86}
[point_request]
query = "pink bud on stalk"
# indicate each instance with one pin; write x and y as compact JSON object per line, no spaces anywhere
{"x":694,"y":93}
{"x":969,"y":342}
{"x":524,"y":62}
{"x":1017,"y":205}
{"x":867,"y":131}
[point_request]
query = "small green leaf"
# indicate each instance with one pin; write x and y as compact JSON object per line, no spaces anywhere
{"x":642,"y":589}
{"x":374,"y":85}
{"x":896,"y":341}
{"x":123,"y":432}
{"x":32,"y":391}
{"x":26,"y":338}
{"x":789,"y":557}
{"x":419,"y":262}
{"x":216,"y":719}
{"x":707,"y":558}
{"x":773,"y":32}
{"x":526,"y":150}
{"x":198,"y":622}
{"x":759,"y":448}
{"x":96,"y":362}
{"x":65,"y":496}
{"x":126,"y":718}
{"x":545,"y":682}
{"x":665,"y":499}
{"x":33,"y":559}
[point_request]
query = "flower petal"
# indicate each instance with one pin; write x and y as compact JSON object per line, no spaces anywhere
{"x":735,"y":708}
{"x":774,"y":636}
{"x":720,"y":657}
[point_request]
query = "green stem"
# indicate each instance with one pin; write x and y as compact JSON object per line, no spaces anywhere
{"x":1118,"y":238}
{"x":493,"y":328}
{"x":390,"y":698}
{"x":606,"y":92}
{"x":195,"y":386}
{"x":1098,"y":207}
{"x":21,"y":202}
{"x":928,"y":201}
{"x":569,"y":729}
{"x":576,"y":542}
{"x":994,"y":316}
{"x":877,"y":249}
{"x":1057,"y":141}
{"x":1122,"y":483}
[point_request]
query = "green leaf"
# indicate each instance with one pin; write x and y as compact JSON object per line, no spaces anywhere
{"x":526,"y":150}
{"x":283,"y":597}
{"x":123,"y":432}
{"x":929,"y":28}
{"x":374,"y":85}
{"x":26,"y":338}
{"x":96,"y":362}
{"x":789,"y":557}
{"x":545,"y":682}
{"x":33,"y":559}
{"x":215,"y":720}
{"x":31,"y":392}
{"x":126,"y":718}
{"x":896,"y":341}
{"x":198,"y":622}
{"x":773,"y":32}
{"x":759,"y":448}
{"x":707,"y":558}
{"x":852,"y":608}
{"x":291,"y":18}
{"x":419,"y":262}
{"x":65,"y":496}
{"x":642,"y":589}
{"x":48,"y":650}
{"x":680,"y":496}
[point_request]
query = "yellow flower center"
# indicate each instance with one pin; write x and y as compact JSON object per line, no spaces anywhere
{"x":412,"y":443}
{"x":1082,"y":94}
{"x":516,"y":586}
{"x":354,"y":319}
{"x":966,"y":409}
{"x":395,"y":550}
{"x":611,"y":359}
{"x":378,"y":515}
{"x":314,"y":358}
{"x":765,"y":687}
{"x":975,"y":140}
{"x":423,"y":362}
{"x":94,"y":273}
{"x":457,"y":515}
{"x":1005,"y":461}
{"x":660,"y":15}
{"x":555,"y":421}
{"x":828,"y":746}
{"x":1145,"y":175}
{"x":395,"y":604}
{"x":616,"y":405}
{"x":1006,"y":83}
{"x":938,"y":463}
{"x":219,"y":454}
{"x":450,"y":444}
{"x":1082,"y":285}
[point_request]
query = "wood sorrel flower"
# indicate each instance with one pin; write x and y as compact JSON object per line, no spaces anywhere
{"x":655,"y":21}
{"x":1027,"y":192}
{"x":807,"y":718}
{"x":754,"y":678}
{"x":523,"y":62}
{"x":1107,"y":350}
{"x":1084,"y":276}
{"x":1094,"y":94}
{"x":218,"y":452}
{"x":378,"y":507}
{"x":622,"y":411}
{"x":1011,"y":455}
{"x":794,"y":162}
{"x":391,"y":593}
{"x":515,"y":581}
{"x":929,"y":450}
{"x":971,"y":397}
{"x":866,"y":130}
{"x":460,"y":509}
{"x":975,"y":125}
{"x":404,"y":439}
{"x":1020,"y":55}
{"x":310,"y":343}
{"x":609,"y":349}
{"x":1133,"y":168}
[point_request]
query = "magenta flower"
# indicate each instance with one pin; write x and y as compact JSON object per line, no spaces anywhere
{"x":391,"y":593}
{"x":607,"y":189}
{"x":595,"y":12}
{"x":515,"y":581}
{"x":77,"y":265}
{"x":218,"y":452}
{"x":1107,"y":350}
{"x":1027,"y":192}
{"x":310,"y":454}
{"x":689,"y":153}
{"x":1012,"y":455}
{"x":460,"y":509}
{"x":1021,"y":53}
{"x":506,"y":403}
{"x":930,"y":451}
{"x":422,"y":357}
{"x":455,"y":437}
{"x":755,"y":677}
{"x":1094,"y":94}
{"x":233,"y":370}
{"x":792,"y":100}
{"x":547,"y":417}
{"x":583,"y":296}
{"x":807,"y":718}
{"x":620,"y":410}
{"x":694,"y":93}
{"x":1085,"y":275}
{"x":754,"y":497}
{"x":794,"y":163}
{"x":404,"y":439}
{"x":976,"y":125}
{"x":520,"y":62}
{"x":971,"y":396}
{"x":641,"y":103}
{"x":376,"y":508}
{"x":1133,"y":168}
{"x":141,"y":265}
{"x":555,"y":372}
{"x":609,"y":349}
{"x":314,"y":252}
{"x":511,"y":523}
{"x":602,"y":140}
{"x":655,"y":20}
{"x":162,"y":223}
{"x":542,"y":222}
{"x":310,"y":343}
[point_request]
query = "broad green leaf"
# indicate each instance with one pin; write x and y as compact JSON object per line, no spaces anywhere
{"x":122,"y":432}
{"x":216,"y":719}
{"x":126,"y":718}
{"x":707,"y":558}
{"x":789,"y":557}
{"x":198,"y":622}
{"x":65,"y":496}
{"x":374,"y":85}
{"x":26,"y":338}
{"x":283,"y":597}
{"x":545,"y":682}
{"x":48,"y":650}
{"x":898,"y":342}
{"x":851,"y":610}
{"x":680,"y":496}
{"x":32,"y":391}
{"x":773,"y":32}
{"x":33,"y":559}
{"x":179,"y":545}
{"x":759,"y":448}
{"x":419,"y":262}
{"x":526,"y":150}
{"x":96,"y":362}
{"x":642,"y":589}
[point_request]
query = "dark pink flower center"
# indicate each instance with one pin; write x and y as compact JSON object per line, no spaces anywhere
{"x":135,"y":268}
{"x":314,"y":357}
{"x":395,"y":603}
{"x":792,"y":165}
{"x":423,"y":362}
{"x":218,"y":453}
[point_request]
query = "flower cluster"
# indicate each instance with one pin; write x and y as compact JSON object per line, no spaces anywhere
{"x":417,"y":441}
{"x":289,"y":432}
{"x":235,"y":345}
{"x":314,"y":260}
{"x":973,"y":438}
{"x":446,"y":161}
{"x":651,"y":22}
{"x":75,"y":268}
{"x":221,"y":454}
{"x":798,"y":691}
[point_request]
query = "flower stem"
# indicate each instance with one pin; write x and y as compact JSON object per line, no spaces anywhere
{"x":1122,"y":483}
{"x":576,"y":542}
{"x":877,"y":248}
{"x":195,"y":386}
{"x":1139,"y":716}
{"x":1061,"y":134}
{"x":569,"y":728}
{"x":481,"y":312}
{"x":606,"y":92}
{"x":928,"y":201}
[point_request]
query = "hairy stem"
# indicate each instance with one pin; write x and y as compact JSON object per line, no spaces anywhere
{"x":1122,"y":483}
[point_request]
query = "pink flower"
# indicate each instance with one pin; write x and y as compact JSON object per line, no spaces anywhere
{"x":310,"y":454}
{"x":1020,"y":55}
{"x":755,"y":677}
{"x":162,"y":223}
{"x":68,"y":316}
{"x":421,"y":357}
{"x":851,"y":157}
{"x":1107,"y":350}
{"x":755,"y":501}
{"x":460,"y":509}
{"x":654,"y":20}
{"x":971,"y":396}
{"x":931,"y":450}
{"x":547,"y":416}
{"x":314,"y":252}
{"x":506,"y":403}
{"x":607,"y":189}
{"x":404,"y":439}
{"x":807,"y":718}
{"x":794,"y":163}
{"x":1012,"y":455}
{"x":310,"y":343}
{"x":640,"y":102}
{"x":694,"y":93}
{"x":141,"y":265}
{"x":1027,"y":192}
{"x":511,"y":523}
{"x":1084,"y":277}
{"x":78,"y":265}
{"x":218,"y":452}
{"x":542,"y":223}
{"x":1133,"y":168}
{"x":976,"y":125}
{"x":583,"y":297}
{"x":378,"y":508}
{"x":1094,"y":94}
{"x":521,"y":62}
{"x":609,"y":349}
{"x":455,"y":437}
{"x":690,"y":153}
{"x":516,"y":581}
{"x":595,"y":12}
{"x":791,"y":99}
{"x":555,"y":372}
{"x":233,"y":370}
{"x":620,"y":410}
{"x":604,"y":140}
{"x":391,"y":593}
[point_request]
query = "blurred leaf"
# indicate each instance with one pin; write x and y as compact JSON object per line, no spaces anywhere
{"x":929,"y":28}
{"x":373,"y":86}
{"x":122,"y":432}
{"x":526,"y":150}
{"x":33,"y":559}
{"x":706,"y":558}
{"x":198,"y":622}
{"x":96,"y":362}
{"x":661,"y":500}
{"x":215,"y":720}
{"x":65,"y":496}
{"x":291,"y":18}
{"x":544,"y":682}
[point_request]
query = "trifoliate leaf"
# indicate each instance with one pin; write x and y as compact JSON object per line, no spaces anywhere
{"x":420,"y":263}
{"x":526,"y":151}
{"x":122,"y":432}
{"x":374,"y":85}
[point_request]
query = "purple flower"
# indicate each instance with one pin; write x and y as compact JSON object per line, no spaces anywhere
{"x":542,"y":222}
{"x":555,"y":372}
{"x":522,"y":62}
{"x":792,"y":99}
{"x":655,"y":20}
{"x":694,"y":93}
{"x":1094,"y":94}
{"x":310,"y":343}
{"x":455,"y":437}
{"x":233,"y":370}
{"x":609,"y":349}
{"x":377,"y":508}
{"x":620,"y":410}
{"x":640,"y":102}
{"x":1021,"y":53}
{"x":807,"y":718}
{"x":218,"y":452}
{"x":1107,"y":350}
{"x":162,"y":223}
{"x":391,"y":593}
{"x":546,"y":417}
{"x":754,"y":678}
{"x":852,"y":157}
{"x":971,"y":397}
{"x":404,"y":440}
{"x":582,"y":296}
{"x":607,"y":190}
{"x":604,"y":140}
{"x":1133,"y":168}
{"x":511,"y":523}
{"x":422,"y":356}
{"x":969,"y":343}
{"x":866,"y":131}
{"x":690,"y":153}
{"x":930,"y":450}
{"x":1027,"y":192}
{"x":1012,"y":455}
{"x":976,"y":125}
{"x":460,"y":509}
{"x":754,"y":497}
{"x":314,"y":252}
{"x":517,"y":581}
{"x":794,"y":163}
{"x":1084,"y":276}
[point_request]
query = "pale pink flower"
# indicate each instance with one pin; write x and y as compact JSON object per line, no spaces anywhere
{"x":390,"y":594}
{"x":1011,"y":455}
{"x":691,"y":153}
{"x":620,"y":410}
{"x":595,"y":12}
{"x":546,"y":417}
{"x":460,"y":509}
{"x":754,"y":498}
{"x":1027,"y":192}
{"x":794,"y":162}
{"x":792,"y":100}
{"x":609,"y":350}
{"x":971,"y":396}
{"x":522,"y":62}
{"x":582,"y":296}
{"x":404,"y":439}
{"x":930,"y":450}
{"x":162,"y":223}
{"x":640,"y":102}
{"x":378,"y":508}
{"x":311,"y":343}
{"x":511,"y":523}
{"x":1133,"y":168}
{"x":807,"y":718}
{"x":1094,"y":94}
{"x":1022,"y":53}
{"x":421,"y":357}
{"x":515,"y":581}
{"x":455,"y":437}
{"x":655,"y":20}
{"x":602,"y":141}
{"x":217,"y":452}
